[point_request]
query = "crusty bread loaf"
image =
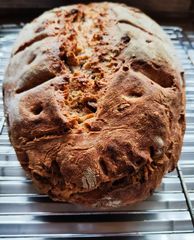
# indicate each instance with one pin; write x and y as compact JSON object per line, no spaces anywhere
{"x":94,"y":101}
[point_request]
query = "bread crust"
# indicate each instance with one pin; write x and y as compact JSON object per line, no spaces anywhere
{"x":95,"y":104}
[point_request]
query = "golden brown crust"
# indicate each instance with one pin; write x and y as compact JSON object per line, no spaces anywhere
{"x":94,"y":100}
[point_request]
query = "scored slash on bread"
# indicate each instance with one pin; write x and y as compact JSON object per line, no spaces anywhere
{"x":95,"y":104}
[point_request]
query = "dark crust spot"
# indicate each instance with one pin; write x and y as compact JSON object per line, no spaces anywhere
{"x":152,"y":152}
{"x":130,"y":169}
{"x":56,"y":174}
{"x":125,"y":68}
{"x":103,"y":166}
{"x":37,"y":109}
{"x":74,"y":10}
{"x":125,"y":39}
{"x":121,"y":182}
{"x":40,"y":178}
{"x":92,"y":105}
{"x":136,"y":94}
{"x":55,"y":168}
{"x":181,"y":119}
{"x":112,"y":152}
{"x":139,"y":161}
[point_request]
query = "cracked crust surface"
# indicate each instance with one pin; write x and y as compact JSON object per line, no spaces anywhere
{"x":94,"y":101}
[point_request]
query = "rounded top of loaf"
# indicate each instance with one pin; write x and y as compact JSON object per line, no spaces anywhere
{"x":93,"y":95}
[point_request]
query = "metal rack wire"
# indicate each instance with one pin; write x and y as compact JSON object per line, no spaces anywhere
{"x":168,"y":214}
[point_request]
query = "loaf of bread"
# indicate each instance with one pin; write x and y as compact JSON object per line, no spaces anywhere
{"x":94,"y":102}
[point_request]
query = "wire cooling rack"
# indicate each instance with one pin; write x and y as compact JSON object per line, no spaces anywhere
{"x":167,"y":214}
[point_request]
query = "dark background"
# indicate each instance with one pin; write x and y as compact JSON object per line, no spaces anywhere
{"x":179,"y":12}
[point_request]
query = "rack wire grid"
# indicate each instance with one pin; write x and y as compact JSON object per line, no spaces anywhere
{"x":167,"y":214}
